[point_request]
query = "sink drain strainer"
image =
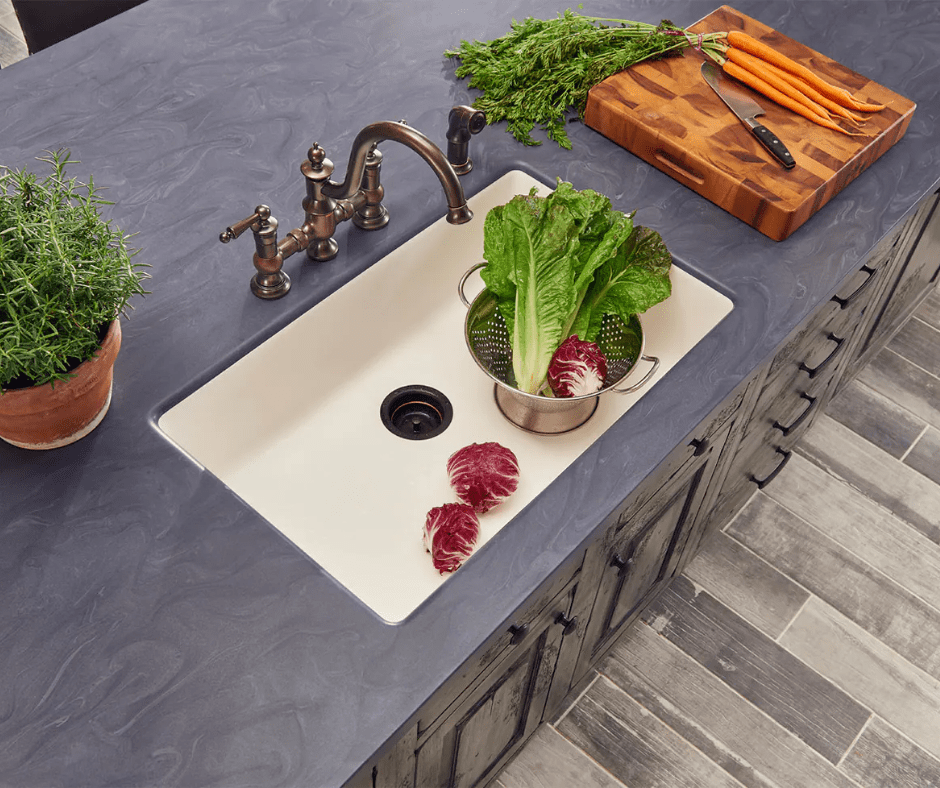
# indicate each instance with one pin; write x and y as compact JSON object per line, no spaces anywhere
{"x":416,"y":412}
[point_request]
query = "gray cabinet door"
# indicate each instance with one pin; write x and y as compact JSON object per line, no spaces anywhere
{"x":916,"y":254}
{"x":499,"y":714}
{"x":641,"y":553}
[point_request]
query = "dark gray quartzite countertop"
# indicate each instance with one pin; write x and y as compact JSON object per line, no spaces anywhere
{"x":153,"y":629}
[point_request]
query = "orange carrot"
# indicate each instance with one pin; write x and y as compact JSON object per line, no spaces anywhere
{"x":816,"y":96}
{"x":741,"y":40}
{"x":758,"y":84}
{"x":794,"y":86}
{"x":757,"y":67}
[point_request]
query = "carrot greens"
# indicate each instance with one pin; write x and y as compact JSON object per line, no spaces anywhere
{"x":542,"y":69}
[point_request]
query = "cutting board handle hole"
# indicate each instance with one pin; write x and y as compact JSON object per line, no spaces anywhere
{"x":671,"y":164}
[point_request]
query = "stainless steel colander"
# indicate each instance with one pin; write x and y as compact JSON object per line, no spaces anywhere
{"x":491,"y":347}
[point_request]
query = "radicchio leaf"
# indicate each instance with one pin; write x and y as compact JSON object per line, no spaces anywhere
{"x":450,"y":533}
{"x":577,"y":368}
{"x":483,"y":474}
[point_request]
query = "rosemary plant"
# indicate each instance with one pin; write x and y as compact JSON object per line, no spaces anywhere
{"x":65,"y":274}
{"x":542,"y":69}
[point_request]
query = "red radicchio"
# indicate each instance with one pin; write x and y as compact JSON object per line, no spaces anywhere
{"x":483,"y":475}
{"x":577,"y":368}
{"x":450,"y":533}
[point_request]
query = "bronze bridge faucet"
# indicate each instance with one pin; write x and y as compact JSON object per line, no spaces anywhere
{"x":358,"y":197}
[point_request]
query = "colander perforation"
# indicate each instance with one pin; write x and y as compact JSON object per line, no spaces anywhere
{"x":490,"y":344}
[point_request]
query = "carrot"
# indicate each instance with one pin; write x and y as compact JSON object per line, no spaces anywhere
{"x":815,"y":95}
{"x":758,"y":84}
{"x":759,"y":69}
{"x":741,"y":40}
{"x":790,"y":84}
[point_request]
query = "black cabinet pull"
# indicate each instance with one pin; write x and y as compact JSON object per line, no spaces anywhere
{"x":622,"y":564}
{"x":518,"y":633}
{"x":801,"y":418}
{"x":844,"y":302}
{"x":701,"y":446}
{"x":814,"y":371}
{"x":569,"y":624}
{"x":762,"y":483}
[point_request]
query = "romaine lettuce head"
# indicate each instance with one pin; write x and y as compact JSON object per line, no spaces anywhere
{"x":556,"y":264}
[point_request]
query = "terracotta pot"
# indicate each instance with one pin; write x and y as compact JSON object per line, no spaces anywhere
{"x":49,"y":416}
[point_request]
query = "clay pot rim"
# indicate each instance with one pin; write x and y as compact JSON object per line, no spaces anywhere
{"x":78,"y":380}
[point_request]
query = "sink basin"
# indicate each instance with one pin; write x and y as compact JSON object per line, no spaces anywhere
{"x":293,"y":428}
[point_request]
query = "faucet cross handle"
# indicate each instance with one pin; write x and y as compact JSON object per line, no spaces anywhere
{"x":258,"y":221}
{"x":269,"y":281}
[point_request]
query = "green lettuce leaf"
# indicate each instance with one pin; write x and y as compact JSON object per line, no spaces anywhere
{"x":628,"y":283}
{"x":557,"y":264}
{"x":529,"y":263}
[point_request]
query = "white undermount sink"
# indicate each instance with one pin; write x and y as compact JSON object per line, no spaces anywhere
{"x":293,"y":427}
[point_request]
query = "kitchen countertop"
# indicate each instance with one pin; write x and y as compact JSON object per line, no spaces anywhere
{"x":156,"y":631}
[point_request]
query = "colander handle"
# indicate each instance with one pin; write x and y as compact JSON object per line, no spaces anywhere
{"x":463,"y":282}
{"x":644,"y":380}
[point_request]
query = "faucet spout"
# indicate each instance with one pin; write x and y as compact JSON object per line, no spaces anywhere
{"x":398,"y":131}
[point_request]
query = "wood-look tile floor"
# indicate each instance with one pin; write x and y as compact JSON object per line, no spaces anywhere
{"x":12,"y":43}
{"x":801,"y":648}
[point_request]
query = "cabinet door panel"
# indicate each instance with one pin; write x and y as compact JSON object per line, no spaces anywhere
{"x":639,"y":557}
{"x":477,"y":669}
{"x":493,"y":720}
{"x":914,"y":278}
{"x":497,"y":721}
{"x":646,"y":562}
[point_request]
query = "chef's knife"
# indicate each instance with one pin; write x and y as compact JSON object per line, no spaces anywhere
{"x":746,"y":109}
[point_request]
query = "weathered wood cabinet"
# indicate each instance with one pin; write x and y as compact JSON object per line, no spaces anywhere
{"x":497,"y":714}
{"x":485,"y":713}
{"x":640,"y":551}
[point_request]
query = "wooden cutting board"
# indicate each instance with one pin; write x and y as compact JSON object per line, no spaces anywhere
{"x":665,"y":113}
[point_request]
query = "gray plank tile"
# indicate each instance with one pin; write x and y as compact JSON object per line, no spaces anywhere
{"x":904,"y":383}
{"x":929,"y":309}
{"x":883,"y":758}
{"x":920,"y":343}
{"x":925,"y":456}
{"x":876,"y":418}
{"x":549,"y":760}
{"x":12,"y":49}
{"x":890,"y":613}
{"x":628,"y":741}
{"x":861,"y":526}
{"x":705,"y":711}
{"x":748,"y":585}
{"x":869,"y":671}
{"x":901,"y":490}
{"x":752,"y":664}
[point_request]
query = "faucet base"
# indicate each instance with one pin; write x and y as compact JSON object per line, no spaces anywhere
{"x":270,"y":286}
{"x":321,"y":251}
{"x":372,"y":217}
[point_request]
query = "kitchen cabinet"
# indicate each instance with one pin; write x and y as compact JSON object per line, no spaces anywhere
{"x":491,"y":704}
{"x":495,"y":716}
{"x":912,"y":257}
{"x":796,"y":385}
{"x":640,"y":552}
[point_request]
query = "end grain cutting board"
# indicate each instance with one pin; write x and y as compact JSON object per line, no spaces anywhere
{"x":665,"y":113}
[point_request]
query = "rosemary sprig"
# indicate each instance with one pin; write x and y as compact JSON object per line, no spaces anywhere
{"x":542,"y":69}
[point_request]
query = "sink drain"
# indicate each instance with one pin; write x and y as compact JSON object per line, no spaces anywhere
{"x":416,"y":412}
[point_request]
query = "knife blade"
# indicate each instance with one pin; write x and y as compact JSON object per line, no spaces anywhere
{"x":746,"y":110}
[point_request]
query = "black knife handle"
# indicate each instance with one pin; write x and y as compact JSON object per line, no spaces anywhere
{"x":769,"y":140}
